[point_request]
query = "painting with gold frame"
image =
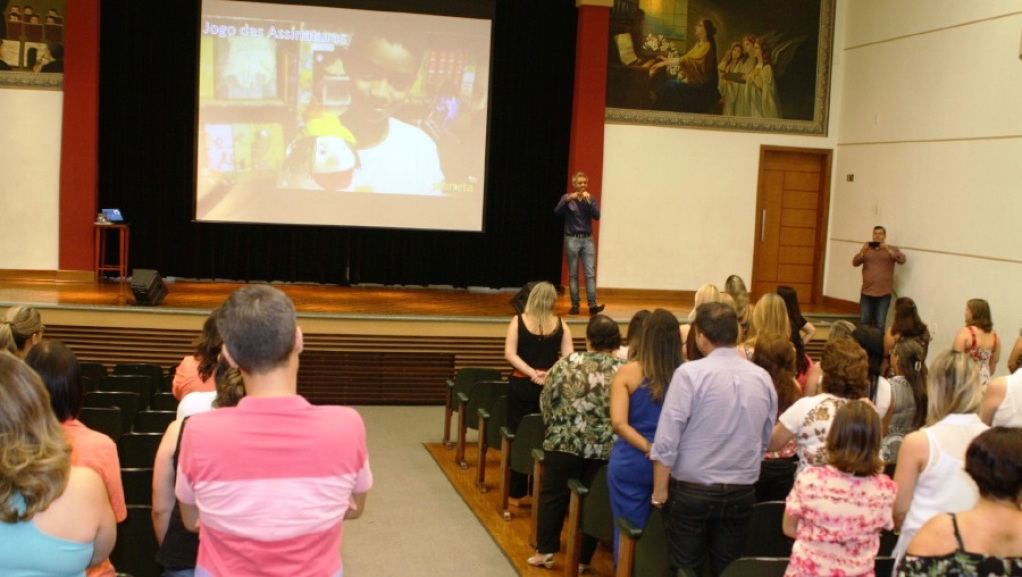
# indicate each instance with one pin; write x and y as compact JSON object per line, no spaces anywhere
{"x":32,"y":44}
{"x":746,"y":65}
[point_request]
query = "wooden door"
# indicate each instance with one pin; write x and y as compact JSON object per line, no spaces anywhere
{"x":791,"y":221}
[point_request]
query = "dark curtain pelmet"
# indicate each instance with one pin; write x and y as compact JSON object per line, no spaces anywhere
{"x":147,"y":138}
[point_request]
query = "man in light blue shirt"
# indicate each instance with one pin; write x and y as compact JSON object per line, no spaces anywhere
{"x":718,"y":415}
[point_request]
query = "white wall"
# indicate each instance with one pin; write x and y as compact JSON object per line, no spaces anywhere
{"x":931,"y":127}
{"x":30,"y":177}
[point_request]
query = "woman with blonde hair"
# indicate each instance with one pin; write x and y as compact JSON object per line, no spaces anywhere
{"x":636,"y":398}
{"x":735,"y":287}
{"x":978,"y":339}
{"x":707,"y":293}
{"x":930,"y":474}
{"x":770,"y":317}
{"x":55,"y":519}
{"x":535,"y":340}
{"x":20,"y":330}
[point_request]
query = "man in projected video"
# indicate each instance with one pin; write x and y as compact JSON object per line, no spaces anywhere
{"x":394,"y":156}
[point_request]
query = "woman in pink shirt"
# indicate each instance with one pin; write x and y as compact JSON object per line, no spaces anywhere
{"x":195,"y":373}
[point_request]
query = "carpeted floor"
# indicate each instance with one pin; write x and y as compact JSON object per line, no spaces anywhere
{"x":511,"y":536}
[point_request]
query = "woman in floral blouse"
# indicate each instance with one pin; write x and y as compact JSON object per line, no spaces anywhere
{"x":576,"y":409}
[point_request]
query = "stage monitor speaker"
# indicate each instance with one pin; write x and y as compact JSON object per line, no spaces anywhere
{"x":147,"y":286}
{"x":521,"y":297}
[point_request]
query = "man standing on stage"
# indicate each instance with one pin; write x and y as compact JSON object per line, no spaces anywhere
{"x":579,"y":210}
{"x":877,"y":259}
{"x":273,"y":478}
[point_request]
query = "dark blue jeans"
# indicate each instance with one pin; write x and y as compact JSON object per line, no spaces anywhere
{"x":873,"y":310}
{"x":706,"y":519}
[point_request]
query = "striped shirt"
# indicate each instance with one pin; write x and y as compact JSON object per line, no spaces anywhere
{"x":272,"y":479}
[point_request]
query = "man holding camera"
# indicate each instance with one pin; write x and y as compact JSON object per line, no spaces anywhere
{"x":877,"y":259}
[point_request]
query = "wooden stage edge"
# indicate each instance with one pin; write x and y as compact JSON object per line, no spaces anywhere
{"x":363,"y":344}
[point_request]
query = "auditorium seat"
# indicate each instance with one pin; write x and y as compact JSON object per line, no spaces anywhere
{"x":153,"y":421}
{"x":482,"y":396}
{"x":516,"y":455}
{"x":106,"y":420}
{"x":164,"y":402}
{"x":135,"y":550}
{"x":141,"y":385}
{"x":462,"y":383}
{"x":765,"y":537}
{"x":138,"y":485}
{"x":94,"y":371}
{"x":128,"y":403}
{"x":138,"y":450}
{"x":643,"y":552}
{"x":589,"y":513}
{"x":490,"y":422}
{"x":756,"y":567}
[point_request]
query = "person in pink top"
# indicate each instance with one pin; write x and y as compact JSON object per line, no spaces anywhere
{"x":195,"y":373}
{"x":835,"y":512}
{"x":268,"y":483}
{"x":62,"y":375}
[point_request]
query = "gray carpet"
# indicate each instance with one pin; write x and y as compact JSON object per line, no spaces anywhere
{"x":415,"y":523}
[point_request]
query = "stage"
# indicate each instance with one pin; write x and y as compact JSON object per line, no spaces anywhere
{"x":363,"y":344}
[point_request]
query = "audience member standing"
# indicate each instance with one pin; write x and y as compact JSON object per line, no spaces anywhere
{"x":777,"y":471}
{"x":273,"y":478}
{"x":636,"y":398}
{"x":845,"y":378}
{"x":59,"y":369}
{"x":735,"y":286}
{"x":835,"y":512}
{"x":55,"y":519}
{"x":20,"y":330}
{"x":908,"y":397}
{"x":535,"y":340}
{"x":877,"y":260}
{"x":1002,"y":401}
{"x":929,"y":474}
{"x":707,"y":293}
{"x":713,"y":431}
{"x":575,"y":403}
{"x":906,"y":326}
{"x":194,"y":374}
{"x":987,"y":539}
{"x":978,"y":339}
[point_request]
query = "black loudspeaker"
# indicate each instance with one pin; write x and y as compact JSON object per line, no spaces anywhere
{"x":147,"y":286}
{"x":521,"y":297}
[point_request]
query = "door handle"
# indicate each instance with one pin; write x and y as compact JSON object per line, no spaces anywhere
{"x":762,"y":227}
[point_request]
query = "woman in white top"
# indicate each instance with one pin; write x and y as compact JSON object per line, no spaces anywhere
{"x":845,"y":378}
{"x":1002,"y":401}
{"x":930,"y":474}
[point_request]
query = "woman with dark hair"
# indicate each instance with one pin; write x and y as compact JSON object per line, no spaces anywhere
{"x":777,"y":470}
{"x":872,"y":341}
{"x":575,"y":403}
{"x":908,"y":397}
{"x":835,"y":512}
{"x":627,"y":351}
{"x":845,"y":378}
{"x":195,"y":373}
{"x":179,"y":547}
{"x":20,"y":330}
{"x":62,"y":375}
{"x":906,"y":326}
{"x":695,"y":89}
{"x":55,"y":518}
{"x":978,"y":339}
{"x":986,"y":539}
{"x":930,"y":475}
{"x":636,"y":398}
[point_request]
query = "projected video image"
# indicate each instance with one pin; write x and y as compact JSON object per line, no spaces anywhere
{"x":338,"y":116}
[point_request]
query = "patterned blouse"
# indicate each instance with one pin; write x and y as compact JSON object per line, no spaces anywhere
{"x":576,"y":405}
{"x":840,"y":517}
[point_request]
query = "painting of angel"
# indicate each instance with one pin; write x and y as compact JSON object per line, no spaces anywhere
{"x":733,"y":64}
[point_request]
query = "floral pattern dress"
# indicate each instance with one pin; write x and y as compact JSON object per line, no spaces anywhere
{"x":809,"y":421}
{"x":840,"y":519}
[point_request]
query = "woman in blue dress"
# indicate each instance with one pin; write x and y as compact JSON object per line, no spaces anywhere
{"x":636,"y":397}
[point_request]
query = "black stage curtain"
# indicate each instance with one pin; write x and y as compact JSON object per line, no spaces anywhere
{"x":147,"y":138}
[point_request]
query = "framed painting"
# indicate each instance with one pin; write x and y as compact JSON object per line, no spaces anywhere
{"x":32,"y":44}
{"x":748,"y":65}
